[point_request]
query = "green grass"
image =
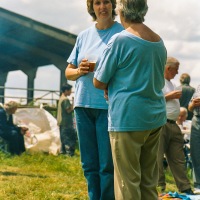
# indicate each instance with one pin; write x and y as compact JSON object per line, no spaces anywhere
{"x":46,"y":177}
{"x":171,"y":186}
{"x":41,"y":177}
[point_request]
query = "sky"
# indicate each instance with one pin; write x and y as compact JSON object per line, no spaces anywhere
{"x":176,"y":21}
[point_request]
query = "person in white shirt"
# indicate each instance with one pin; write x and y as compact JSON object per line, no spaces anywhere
{"x":171,"y":138}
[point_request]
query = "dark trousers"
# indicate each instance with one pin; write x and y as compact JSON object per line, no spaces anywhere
{"x":195,"y":150}
{"x":15,"y":141}
{"x":171,"y":144}
{"x":68,"y":140}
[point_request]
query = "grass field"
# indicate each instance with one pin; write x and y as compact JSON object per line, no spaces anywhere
{"x":41,"y":177}
{"x":46,"y":177}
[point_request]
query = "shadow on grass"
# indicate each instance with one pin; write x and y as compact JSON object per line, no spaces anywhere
{"x":18,"y":174}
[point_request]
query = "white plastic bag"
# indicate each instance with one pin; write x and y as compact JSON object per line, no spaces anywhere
{"x":43,"y":134}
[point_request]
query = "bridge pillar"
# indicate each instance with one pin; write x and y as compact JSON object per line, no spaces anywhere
{"x":31,"y":74}
{"x":3,"y":79}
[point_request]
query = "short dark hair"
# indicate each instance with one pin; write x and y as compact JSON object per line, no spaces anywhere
{"x":66,"y":86}
{"x":185,"y":78}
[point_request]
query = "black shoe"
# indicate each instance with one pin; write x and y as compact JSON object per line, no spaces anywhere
{"x":188,"y":191}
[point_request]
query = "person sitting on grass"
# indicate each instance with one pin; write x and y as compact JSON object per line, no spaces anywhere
{"x":11,"y":133}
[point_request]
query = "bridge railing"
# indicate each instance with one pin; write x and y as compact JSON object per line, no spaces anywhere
{"x":40,"y":96}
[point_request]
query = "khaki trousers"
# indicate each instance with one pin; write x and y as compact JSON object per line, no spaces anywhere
{"x":135,"y":167}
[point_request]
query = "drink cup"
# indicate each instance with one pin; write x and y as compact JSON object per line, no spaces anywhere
{"x":91,"y":66}
{"x":92,"y":59}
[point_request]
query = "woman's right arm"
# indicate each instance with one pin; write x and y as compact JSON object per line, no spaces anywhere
{"x":72,"y":72}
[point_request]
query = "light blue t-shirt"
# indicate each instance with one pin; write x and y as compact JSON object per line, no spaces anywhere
{"x":91,"y":41}
{"x":134,"y":71}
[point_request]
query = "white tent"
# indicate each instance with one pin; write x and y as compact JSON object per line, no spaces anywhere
{"x":43,"y":134}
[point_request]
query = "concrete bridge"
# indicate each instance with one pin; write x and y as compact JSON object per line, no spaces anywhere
{"x":26,"y":44}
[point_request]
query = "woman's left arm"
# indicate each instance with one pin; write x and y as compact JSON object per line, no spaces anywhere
{"x":100,"y":85}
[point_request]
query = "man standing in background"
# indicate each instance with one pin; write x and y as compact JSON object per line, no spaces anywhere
{"x":171,"y":138}
{"x":187,"y":92}
{"x":65,"y":121}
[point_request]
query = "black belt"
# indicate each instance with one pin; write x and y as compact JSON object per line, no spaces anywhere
{"x":171,"y":121}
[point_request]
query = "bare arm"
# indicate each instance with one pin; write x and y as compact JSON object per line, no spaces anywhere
{"x":176,"y":94}
{"x":194,"y":103}
{"x":72,"y":72}
{"x":70,"y":109}
{"x":99,"y":85}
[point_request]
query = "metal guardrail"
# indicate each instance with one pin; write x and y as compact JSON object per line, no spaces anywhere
{"x":49,"y":97}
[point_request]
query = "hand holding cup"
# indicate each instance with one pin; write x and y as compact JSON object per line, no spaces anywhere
{"x":91,"y":59}
{"x":83,"y":67}
{"x":196,"y":101}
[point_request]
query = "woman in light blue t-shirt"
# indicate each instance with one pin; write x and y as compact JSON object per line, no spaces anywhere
{"x":91,"y":109}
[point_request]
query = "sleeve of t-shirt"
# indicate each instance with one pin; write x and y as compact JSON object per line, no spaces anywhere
{"x":109,"y":62}
{"x":73,"y":58}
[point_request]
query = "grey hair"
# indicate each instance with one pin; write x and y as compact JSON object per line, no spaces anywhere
{"x":133,"y":10}
{"x":10,"y":105}
{"x":172,"y":62}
